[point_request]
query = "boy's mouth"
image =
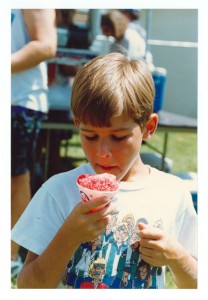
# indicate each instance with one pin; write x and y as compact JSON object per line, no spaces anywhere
{"x":106,"y":168}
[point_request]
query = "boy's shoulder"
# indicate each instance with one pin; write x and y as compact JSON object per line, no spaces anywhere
{"x":171,"y":186}
{"x":68,"y":177}
{"x":166,"y":178}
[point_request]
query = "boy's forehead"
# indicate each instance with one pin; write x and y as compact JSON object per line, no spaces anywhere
{"x":116,"y":124}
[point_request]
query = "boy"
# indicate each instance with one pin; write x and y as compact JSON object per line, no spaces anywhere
{"x":112,"y":102}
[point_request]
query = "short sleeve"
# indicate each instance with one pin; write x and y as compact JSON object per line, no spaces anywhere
{"x":39,"y":223}
{"x":188,"y":225}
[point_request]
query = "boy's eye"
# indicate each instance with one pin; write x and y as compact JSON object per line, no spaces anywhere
{"x":91,"y":138}
{"x":119,"y":138}
{"x":114,"y":137}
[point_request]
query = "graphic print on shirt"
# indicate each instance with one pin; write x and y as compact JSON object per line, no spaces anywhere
{"x":113,"y":259}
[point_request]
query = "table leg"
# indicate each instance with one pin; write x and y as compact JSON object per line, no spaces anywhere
{"x":47,"y":155}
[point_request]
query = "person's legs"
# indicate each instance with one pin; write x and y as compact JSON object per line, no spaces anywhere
{"x":20,"y":197}
{"x":25,"y":125}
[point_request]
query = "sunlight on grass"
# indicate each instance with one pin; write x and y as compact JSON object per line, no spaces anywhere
{"x":181,"y":148}
{"x":169,"y":281}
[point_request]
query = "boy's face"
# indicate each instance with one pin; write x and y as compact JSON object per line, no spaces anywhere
{"x":113,"y":149}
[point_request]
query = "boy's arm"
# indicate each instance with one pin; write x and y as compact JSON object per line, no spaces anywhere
{"x":41,"y":27}
{"x":159,"y":249}
{"x":184,"y":270}
{"x":45,"y":270}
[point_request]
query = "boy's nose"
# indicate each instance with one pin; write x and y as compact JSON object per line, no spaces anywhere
{"x":103,"y":149}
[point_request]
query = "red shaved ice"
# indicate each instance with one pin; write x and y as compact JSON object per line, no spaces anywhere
{"x":99,"y":182}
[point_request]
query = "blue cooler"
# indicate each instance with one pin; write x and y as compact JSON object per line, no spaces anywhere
{"x":159,"y":76}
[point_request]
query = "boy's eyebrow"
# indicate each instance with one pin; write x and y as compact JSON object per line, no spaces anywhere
{"x":113,"y":130}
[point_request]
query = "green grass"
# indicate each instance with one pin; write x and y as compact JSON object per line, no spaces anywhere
{"x":181,"y":148}
{"x":14,"y":283}
{"x":169,"y":281}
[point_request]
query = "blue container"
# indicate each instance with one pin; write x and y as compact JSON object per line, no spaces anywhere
{"x":159,"y":76}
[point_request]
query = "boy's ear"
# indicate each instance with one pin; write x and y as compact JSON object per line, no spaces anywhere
{"x":76,"y":122}
{"x":151,"y":126}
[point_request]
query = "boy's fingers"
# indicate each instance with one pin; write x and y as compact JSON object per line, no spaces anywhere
{"x":141,"y":226}
{"x":102,"y":212}
{"x":94,"y":204}
{"x":149,"y":232}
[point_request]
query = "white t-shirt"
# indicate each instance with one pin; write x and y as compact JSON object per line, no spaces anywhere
{"x":29,"y":87}
{"x":159,"y":200}
{"x":133,"y":42}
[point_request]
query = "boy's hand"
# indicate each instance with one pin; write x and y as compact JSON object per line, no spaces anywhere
{"x":88,"y":220}
{"x":157,"y":247}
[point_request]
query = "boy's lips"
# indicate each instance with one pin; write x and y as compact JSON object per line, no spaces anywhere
{"x":106,"y":168}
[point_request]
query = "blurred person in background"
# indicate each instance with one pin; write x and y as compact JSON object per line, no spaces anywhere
{"x":133,"y":15}
{"x":116,"y":24}
{"x":33,"y":41}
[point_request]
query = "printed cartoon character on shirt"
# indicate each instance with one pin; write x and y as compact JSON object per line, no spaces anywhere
{"x":132,"y":271}
{"x":112,"y":251}
{"x":96,"y":271}
{"x":108,"y":235}
{"x":143,"y":277}
{"x":119,"y":247}
{"x":127,"y":264}
{"x":130,"y":221}
{"x":79,"y":264}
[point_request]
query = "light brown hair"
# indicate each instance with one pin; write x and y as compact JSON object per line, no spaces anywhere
{"x":113,"y":85}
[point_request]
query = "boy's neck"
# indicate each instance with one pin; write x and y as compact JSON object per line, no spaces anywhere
{"x":138,"y":172}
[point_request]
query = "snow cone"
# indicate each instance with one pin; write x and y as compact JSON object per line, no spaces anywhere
{"x":92,"y":186}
